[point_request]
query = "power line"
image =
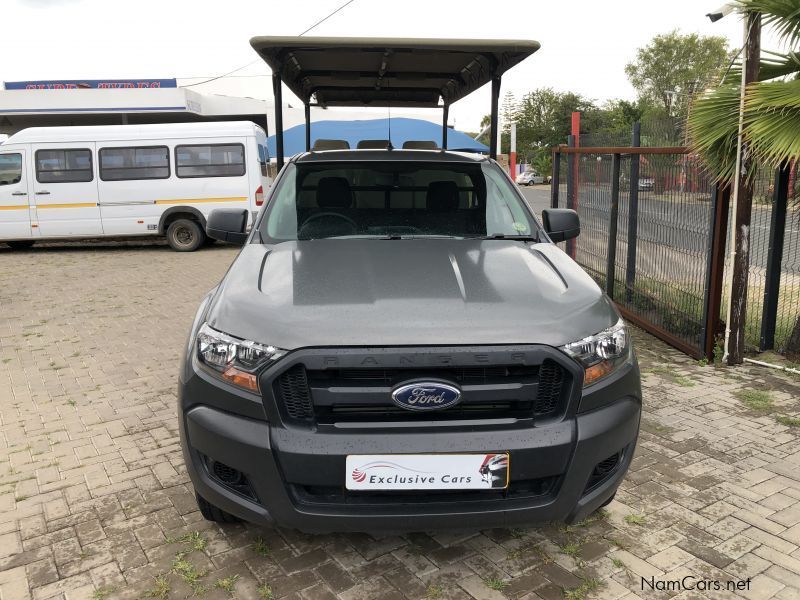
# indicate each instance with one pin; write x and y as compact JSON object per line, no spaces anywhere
{"x":314,"y":26}
{"x":327,"y":17}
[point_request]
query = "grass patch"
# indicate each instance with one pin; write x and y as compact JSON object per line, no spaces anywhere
{"x":671,"y":374}
{"x":583,"y":590}
{"x":758,"y":400}
{"x":260,"y":547}
{"x":434,"y":592}
{"x":634,"y":519}
{"x":228,"y":583}
{"x":194,"y":540}
{"x":517,"y":534}
{"x":160,"y":589}
{"x":264,"y":592}
{"x":619,"y":564}
{"x":572,"y":549}
{"x":495,"y":584}
{"x":189,"y":573}
{"x":530,"y":548}
{"x":103,"y":593}
{"x":788,"y":421}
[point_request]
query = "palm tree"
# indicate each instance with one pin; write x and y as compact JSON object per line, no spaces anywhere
{"x":771,"y":107}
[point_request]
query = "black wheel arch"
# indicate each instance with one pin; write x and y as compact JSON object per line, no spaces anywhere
{"x":175,"y":212}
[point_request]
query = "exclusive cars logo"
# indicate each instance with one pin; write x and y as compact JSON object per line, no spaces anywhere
{"x":360,"y":473}
{"x":426,"y":395}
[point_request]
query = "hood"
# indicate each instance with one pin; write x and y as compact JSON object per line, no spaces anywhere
{"x":367,"y":292}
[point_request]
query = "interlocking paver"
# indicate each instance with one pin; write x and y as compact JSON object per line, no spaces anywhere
{"x":94,"y":496}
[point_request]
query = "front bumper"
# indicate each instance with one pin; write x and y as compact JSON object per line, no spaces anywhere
{"x":296,"y":474}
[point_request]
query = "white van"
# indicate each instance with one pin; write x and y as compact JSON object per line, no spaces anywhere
{"x":128,"y":180}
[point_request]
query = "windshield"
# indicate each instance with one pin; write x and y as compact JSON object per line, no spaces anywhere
{"x":395,"y":199}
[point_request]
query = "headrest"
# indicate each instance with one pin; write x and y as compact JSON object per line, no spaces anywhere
{"x":442,"y":196}
{"x":373,"y":145}
{"x":331,"y":145}
{"x":420,"y":145}
{"x":334,"y":192}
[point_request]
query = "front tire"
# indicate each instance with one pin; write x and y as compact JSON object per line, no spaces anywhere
{"x":184,"y":235}
{"x":213,"y":513}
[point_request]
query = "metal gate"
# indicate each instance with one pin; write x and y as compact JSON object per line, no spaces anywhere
{"x":652,"y":235}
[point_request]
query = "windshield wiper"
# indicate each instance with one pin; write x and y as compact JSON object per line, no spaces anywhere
{"x":527,"y":237}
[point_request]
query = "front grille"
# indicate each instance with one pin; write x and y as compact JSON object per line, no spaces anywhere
{"x":551,"y":388}
{"x":507,"y":393}
{"x":529,"y":488}
{"x":293,"y":392}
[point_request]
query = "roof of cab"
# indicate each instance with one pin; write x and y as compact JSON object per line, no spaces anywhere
{"x":432,"y":156}
{"x":156,"y":131}
{"x":388,"y":71}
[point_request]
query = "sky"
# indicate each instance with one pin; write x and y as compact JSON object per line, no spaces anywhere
{"x":585,"y":43}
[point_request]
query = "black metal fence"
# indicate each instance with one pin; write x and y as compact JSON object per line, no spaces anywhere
{"x":653,"y":235}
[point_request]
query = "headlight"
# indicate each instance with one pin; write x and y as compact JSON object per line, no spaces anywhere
{"x":233,"y":359}
{"x":602,"y":353}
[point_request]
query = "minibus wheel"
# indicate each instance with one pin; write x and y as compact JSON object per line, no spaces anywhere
{"x":185,"y":235}
{"x":20,"y":244}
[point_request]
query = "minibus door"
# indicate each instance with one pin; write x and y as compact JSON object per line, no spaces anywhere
{"x":65,"y":190}
{"x":15,"y":219}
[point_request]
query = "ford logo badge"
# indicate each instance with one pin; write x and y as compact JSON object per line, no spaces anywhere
{"x":426,"y":395}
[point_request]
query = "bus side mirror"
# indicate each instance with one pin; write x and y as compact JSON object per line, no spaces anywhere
{"x":228,"y":225}
{"x":561,"y":223}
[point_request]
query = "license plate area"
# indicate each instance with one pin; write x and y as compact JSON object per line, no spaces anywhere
{"x":374,"y":472}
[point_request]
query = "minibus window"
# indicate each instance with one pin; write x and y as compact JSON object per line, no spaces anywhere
{"x":210,"y":160}
{"x":10,"y":168}
{"x":63,"y":166}
{"x":263,"y":160}
{"x":142,"y":162}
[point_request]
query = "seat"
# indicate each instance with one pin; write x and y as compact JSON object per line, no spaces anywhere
{"x":322,"y":144}
{"x":420,"y":145}
{"x":373,"y":145}
{"x":442,"y":196}
{"x":334,"y":192}
{"x":334,"y":199}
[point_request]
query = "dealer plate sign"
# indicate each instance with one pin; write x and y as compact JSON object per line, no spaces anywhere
{"x":427,"y":471}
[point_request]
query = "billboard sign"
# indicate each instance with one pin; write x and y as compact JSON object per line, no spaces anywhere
{"x":78,"y":84}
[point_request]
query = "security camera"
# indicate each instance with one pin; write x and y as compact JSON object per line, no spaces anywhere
{"x":722,"y":11}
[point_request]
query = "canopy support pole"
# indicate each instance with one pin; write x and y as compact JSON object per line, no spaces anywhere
{"x":445,"y":114}
{"x":308,"y":127}
{"x":276,"y":92}
{"x":494,"y":118}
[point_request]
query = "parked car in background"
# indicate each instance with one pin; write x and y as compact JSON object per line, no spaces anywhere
{"x":647,"y":183}
{"x":529,"y":178}
{"x":128,"y":180}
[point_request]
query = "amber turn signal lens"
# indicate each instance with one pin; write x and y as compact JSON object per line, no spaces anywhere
{"x":241,"y":378}
{"x":597,"y":371}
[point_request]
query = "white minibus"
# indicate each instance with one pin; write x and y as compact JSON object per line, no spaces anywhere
{"x":128,"y":180}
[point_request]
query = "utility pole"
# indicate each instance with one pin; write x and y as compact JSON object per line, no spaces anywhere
{"x":743,"y":204}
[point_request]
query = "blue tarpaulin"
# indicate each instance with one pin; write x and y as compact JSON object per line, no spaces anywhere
{"x":294,"y":139}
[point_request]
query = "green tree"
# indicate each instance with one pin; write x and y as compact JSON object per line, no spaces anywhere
{"x":771,"y":108}
{"x":673,"y":67}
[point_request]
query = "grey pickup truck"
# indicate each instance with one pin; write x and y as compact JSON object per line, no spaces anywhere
{"x":400,"y":345}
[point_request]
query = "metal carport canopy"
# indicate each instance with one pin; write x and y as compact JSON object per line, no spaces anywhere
{"x":387,"y":71}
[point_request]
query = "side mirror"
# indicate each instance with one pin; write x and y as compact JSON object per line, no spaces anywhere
{"x":228,"y":225}
{"x":561,"y":223}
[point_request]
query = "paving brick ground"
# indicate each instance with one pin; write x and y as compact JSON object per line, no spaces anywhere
{"x":95,"y":503}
